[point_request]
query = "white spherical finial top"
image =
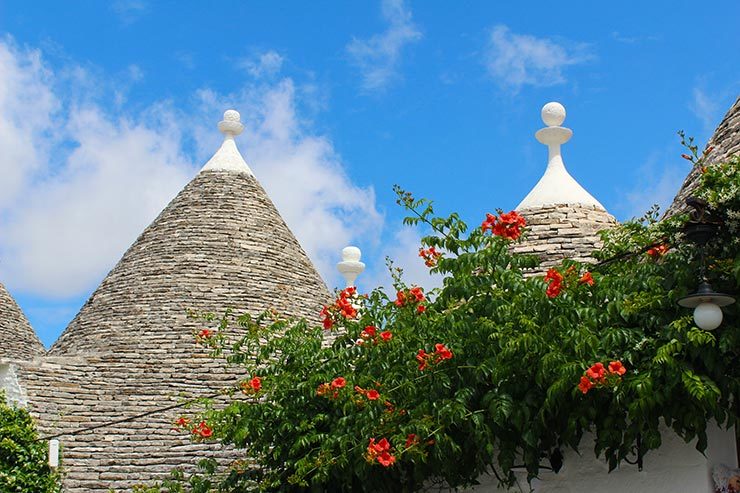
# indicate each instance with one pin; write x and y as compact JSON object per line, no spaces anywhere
{"x":553,"y":114}
{"x":351,"y":254}
{"x":231,"y":124}
{"x":350,"y":267}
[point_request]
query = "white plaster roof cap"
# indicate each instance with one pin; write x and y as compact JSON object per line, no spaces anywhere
{"x":227,"y":157}
{"x":556,"y":186}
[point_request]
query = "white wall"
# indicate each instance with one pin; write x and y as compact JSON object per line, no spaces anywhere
{"x":10,"y":384}
{"x":677,"y":467}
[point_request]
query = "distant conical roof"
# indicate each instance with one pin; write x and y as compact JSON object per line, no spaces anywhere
{"x":724,"y":143}
{"x":221,"y":243}
{"x":19,"y":341}
{"x":563,"y":219}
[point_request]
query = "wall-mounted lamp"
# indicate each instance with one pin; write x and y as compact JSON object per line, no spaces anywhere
{"x":706,"y":304}
{"x":705,"y":301}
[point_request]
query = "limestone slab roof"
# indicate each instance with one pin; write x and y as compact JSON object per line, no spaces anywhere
{"x":219,"y":244}
{"x":18,"y":340}
{"x":725,"y":143}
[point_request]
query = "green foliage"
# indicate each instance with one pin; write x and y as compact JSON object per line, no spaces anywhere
{"x":508,"y":397}
{"x":23,"y":459}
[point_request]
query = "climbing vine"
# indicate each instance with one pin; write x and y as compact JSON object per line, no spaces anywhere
{"x":23,"y":459}
{"x":495,"y":371}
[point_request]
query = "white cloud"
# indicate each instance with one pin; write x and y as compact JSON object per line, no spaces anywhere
{"x":129,"y":11}
{"x":378,"y":57}
{"x":403,"y":250}
{"x":301,"y":172}
{"x":27,"y":110}
{"x":705,"y":108}
{"x":86,"y":180}
{"x":515,"y":60}
{"x":657,"y":183}
{"x":264,"y":64}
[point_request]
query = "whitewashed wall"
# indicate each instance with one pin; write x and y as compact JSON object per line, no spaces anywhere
{"x":9,"y":383}
{"x":676,"y":467}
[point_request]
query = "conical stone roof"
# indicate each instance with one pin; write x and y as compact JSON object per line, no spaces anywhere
{"x":219,"y":244}
{"x":725,"y":143}
{"x":19,"y":341}
{"x":563,"y":219}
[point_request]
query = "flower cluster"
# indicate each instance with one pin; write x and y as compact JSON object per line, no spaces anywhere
{"x":507,"y":225}
{"x":430,"y":256}
{"x":440,"y":353}
{"x":201,"y":429}
{"x":251,"y":386}
{"x":204,"y":336}
{"x":341,"y":307}
{"x":599,"y":376}
{"x":413,"y":296}
{"x":380,"y":452}
{"x":371,"y":395}
{"x":556,"y":281}
{"x":331,"y":389}
{"x":658,"y":251}
{"x":370,"y":333}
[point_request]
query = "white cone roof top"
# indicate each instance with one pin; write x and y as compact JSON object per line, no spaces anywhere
{"x":228,"y":158}
{"x":556,"y":186}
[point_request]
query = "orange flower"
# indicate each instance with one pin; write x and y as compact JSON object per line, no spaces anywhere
{"x":411,"y":439}
{"x":256,"y":384}
{"x":617,"y":367}
{"x":417,"y":293}
{"x":420,"y":309}
{"x":205,"y":333}
{"x":586,"y":278}
{"x":687,"y":157}
{"x":338,"y":383}
{"x":386,"y":460}
{"x":323,"y":389}
{"x":372,"y":395}
{"x":400,"y":298}
{"x":658,"y":251}
{"x":422,"y":357}
{"x":430,"y":256}
{"x":442,"y":352}
{"x":182,"y":422}
{"x":585,"y":385}
{"x":386,"y":335}
{"x":596,"y":372}
{"x":202,"y":430}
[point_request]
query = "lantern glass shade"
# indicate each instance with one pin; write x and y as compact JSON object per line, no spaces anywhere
{"x":707,"y":316}
{"x":706,"y":303}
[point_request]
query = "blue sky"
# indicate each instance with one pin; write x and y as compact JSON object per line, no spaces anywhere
{"x":108,"y":108}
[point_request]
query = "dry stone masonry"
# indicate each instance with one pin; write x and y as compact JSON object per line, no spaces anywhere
{"x":563,"y":219}
{"x":222,"y":244}
{"x":18,"y":341}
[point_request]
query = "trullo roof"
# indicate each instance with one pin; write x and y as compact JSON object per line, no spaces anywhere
{"x":221,"y":243}
{"x":19,"y":341}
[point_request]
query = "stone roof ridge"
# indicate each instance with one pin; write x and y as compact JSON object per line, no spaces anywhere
{"x":724,"y":143}
{"x":20,"y":342}
{"x":556,"y":186}
{"x":228,"y":157}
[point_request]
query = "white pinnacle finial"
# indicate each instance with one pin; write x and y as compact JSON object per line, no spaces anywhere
{"x":231,"y":124}
{"x":556,"y":186}
{"x":553,"y":114}
{"x":350,"y":267}
{"x":228,"y":158}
